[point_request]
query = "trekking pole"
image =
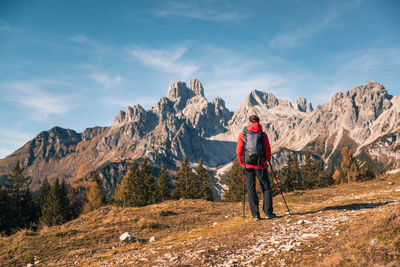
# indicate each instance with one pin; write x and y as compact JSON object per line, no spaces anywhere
{"x":279,"y":187}
{"x":244,"y":195}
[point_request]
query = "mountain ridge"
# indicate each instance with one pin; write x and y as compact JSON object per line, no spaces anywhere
{"x":185,"y":123}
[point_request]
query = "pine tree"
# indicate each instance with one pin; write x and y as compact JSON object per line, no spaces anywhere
{"x":77,"y":197}
{"x":95,"y":196}
{"x":325,"y":179}
{"x":163,"y":186}
{"x":235,"y":183}
{"x":123,"y":195}
{"x":367,"y":174}
{"x":312,"y":170}
{"x":147,"y":195}
{"x":292,"y":179}
{"x":5,"y":212}
{"x":44,"y":190}
{"x":203,"y":180}
{"x":24,"y":211}
{"x":185,"y":186}
{"x":65,"y":205}
{"x":53,"y":212}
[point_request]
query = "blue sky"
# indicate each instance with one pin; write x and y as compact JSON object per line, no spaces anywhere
{"x":75,"y":64}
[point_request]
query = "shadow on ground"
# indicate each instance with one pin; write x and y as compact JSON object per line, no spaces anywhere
{"x":354,"y":206}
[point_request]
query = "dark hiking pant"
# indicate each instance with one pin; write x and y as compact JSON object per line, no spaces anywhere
{"x":252,"y":194}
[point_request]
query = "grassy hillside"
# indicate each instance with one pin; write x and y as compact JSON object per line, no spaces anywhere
{"x":344,"y":225}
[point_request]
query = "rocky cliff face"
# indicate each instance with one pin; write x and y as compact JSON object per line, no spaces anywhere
{"x":185,"y":123}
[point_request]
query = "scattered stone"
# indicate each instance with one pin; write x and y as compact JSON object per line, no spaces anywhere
{"x":287,"y":248}
{"x":29,"y":265}
{"x":305,"y":236}
{"x":168,"y":255}
{"x":391,"y":183}
{"x":173,"y":259}
{"x":233,"y":261}
{"x":215,"y":224}
{"x":304,"y":222}
{"x":152,"y":239}
{"x":127,"y":237}
{"x":37,"y":262}
{"x":373,"y":242}
{"x":397,"y":190}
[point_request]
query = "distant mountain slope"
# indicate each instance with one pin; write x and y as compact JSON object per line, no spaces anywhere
{"x":185,"y":123}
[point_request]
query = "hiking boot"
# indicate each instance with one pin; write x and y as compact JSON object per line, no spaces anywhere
{"x":271,"y":216}
{"x":257,"y":218}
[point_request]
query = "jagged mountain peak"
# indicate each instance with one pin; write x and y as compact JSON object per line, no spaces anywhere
{"x":179,"y":90}
{"x":303,"y":105}
{"x":269,"y":101}
{"x":132,"y":113}
{"x":196,"y":86}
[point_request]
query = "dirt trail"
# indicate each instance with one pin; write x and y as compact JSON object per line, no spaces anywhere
{"x":278,"y":242}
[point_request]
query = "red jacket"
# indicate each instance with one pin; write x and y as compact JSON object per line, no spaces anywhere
{"x":256,"y":128}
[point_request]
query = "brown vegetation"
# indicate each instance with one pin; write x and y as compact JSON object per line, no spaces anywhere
{"x":217,"y":232}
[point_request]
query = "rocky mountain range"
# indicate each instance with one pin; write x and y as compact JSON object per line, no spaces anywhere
{"x":185,"y":123}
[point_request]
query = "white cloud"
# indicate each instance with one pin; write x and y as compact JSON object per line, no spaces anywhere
{"x":80,"y":39}
{"x":312,"y":27}
{"x":105,"y":80}
{"x":209,"y":10}
{"x":168,"y":60}
{"x":32,"y":94}
{"x":4,"y":26}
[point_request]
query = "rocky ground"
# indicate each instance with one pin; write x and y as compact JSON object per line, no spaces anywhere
{"x":345,"y":225}
{"x":262,"y":243}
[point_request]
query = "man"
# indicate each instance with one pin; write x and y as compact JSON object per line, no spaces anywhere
{"x":253,"y":151}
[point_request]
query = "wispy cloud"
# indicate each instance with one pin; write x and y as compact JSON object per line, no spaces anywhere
{"x":105,"y":80}
{"x":4,"y":26}
{"x":167,"y":60}
{"x":79,"y":38}
{"x":32,"y":94}
{"x":209,"y":10}
{"x":11,"y":139}
{"x":312,"y":27}
{"x":294,"y":38}
{"x":98,"y":48}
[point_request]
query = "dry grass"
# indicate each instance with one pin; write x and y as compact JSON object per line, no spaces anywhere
{"x":93,"y":239}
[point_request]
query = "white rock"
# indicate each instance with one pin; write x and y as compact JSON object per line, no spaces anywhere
{"x":29,"y":265}
{"x":215,"y":224}
{"x":127,"y":237}
{"x":305,"y":236}
{"x":152,"y":239}
{"x":373,"y":242}
{"x":303,"y":222}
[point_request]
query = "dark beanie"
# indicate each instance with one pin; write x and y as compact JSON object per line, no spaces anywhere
{"x":254,"y":118}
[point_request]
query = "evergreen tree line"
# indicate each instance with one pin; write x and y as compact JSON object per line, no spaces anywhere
{"x":310,"y":175}
{"x":139,"y":187}
{"x":20,"y":208}
{"x":58,"y":203}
